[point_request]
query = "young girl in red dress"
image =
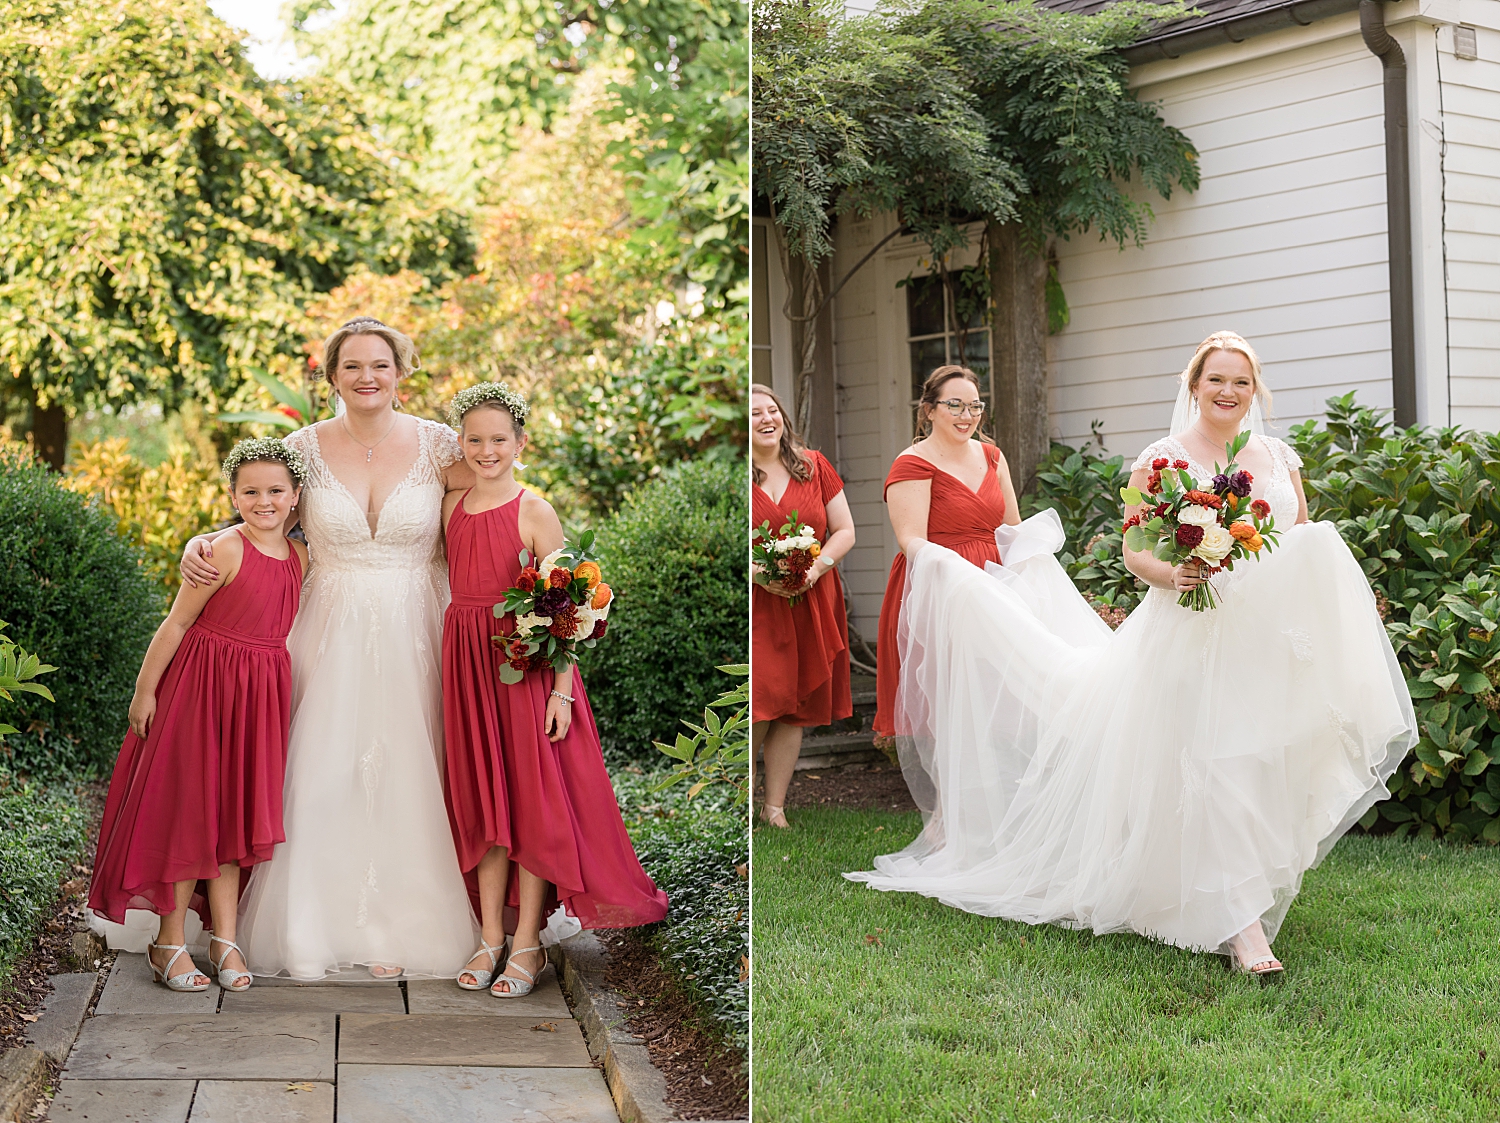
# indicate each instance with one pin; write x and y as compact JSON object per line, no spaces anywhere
{"x":196,"y":791}
{"x":527,"y":791}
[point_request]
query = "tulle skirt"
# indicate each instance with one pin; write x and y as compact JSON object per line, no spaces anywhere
{"x":368,"y":873}
{"x":1174,"y":778}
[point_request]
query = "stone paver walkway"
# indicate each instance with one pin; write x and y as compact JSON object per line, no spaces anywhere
{"x":350,"y":1049}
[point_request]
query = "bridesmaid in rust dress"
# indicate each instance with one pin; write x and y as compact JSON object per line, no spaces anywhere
{"x":801,"y":651}
{"x":948,"y":488}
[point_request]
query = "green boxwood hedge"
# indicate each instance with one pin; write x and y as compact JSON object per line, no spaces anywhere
{"x":676,"y":557}
{"x":1420,"y":509}
{"x":75,"y":594}
{"x":694,"y":849}
{"x":42,"y":832}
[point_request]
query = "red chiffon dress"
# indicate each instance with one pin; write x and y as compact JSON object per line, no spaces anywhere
{"x":550,"y":804}
{"x":203,"y":788}
{"x":801,"y":652}
{"x":960,"y":519}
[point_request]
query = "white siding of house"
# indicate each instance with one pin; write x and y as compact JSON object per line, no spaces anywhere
{"x":1284,"y":242}
{"x":1471,"y":189}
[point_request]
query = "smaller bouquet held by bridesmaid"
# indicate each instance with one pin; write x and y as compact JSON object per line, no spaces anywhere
{"x":561,"y":605}
{"x":1215,"y":525}
{"x":784,"y":556}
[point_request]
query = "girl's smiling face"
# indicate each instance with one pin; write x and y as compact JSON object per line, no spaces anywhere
{"x":264,"y":494}
{"x":1226,"y":386}
{"x":490,"y":441}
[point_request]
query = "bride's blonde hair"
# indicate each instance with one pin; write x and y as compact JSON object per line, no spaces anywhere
{"x":1227,"y":341}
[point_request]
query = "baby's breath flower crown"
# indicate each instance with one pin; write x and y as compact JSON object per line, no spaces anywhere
{"x":254,"y":449}
{"x":477,"y":395}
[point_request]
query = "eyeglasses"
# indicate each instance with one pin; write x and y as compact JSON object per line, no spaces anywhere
{"x":957,"y":408}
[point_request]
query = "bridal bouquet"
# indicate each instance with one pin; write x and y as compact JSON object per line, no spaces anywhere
{"x":561,"y":604}
{"x":784,"y":556}
{"x":1217,"y":523}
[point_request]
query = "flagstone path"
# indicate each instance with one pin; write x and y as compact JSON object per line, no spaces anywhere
{"x":349,"y":1049}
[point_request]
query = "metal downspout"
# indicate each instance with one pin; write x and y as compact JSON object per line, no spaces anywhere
{"x":1398,"y":211}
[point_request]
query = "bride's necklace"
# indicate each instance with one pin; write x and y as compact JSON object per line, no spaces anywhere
{"x":369,"y":449}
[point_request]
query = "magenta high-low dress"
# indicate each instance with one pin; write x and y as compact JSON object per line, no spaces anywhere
{"x":204,"y":787}
{"x":550,"y":804}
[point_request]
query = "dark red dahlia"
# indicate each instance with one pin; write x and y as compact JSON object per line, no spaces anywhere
{"x":564,"y":623}
{"x":1180,"y":464}
{"x":1239,"y":483}
{"x":1189,"y":535}
{"x":520,"y":664}
{"x":1159,"y":463}
{"x":600,"y":627}
{"x":559,"y":578}
{"x":1161,"y":510}
{"x":552,"y":602}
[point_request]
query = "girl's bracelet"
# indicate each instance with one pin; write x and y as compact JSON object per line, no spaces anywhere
{"x":564,"y":697}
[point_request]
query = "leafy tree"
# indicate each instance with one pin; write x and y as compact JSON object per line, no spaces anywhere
{"x":947,"y":112}
{"x":165,"y":213}
{"x":451,"y":82}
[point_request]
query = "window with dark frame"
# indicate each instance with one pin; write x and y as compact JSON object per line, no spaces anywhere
{"x":933,"y":338}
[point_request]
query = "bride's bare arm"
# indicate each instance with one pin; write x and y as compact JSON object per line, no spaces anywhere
{"x":1301,"y":496}
{"x":1146,"y":565}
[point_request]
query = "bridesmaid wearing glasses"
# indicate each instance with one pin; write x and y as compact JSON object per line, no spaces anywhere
{"x":952,"y":487}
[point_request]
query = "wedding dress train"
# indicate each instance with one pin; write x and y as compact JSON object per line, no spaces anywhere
{"x":1174,"y":778}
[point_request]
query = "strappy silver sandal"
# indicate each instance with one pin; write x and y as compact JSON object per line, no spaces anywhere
{"x":175,"y":982}
{"x":482,"y":977}
{"x":769,"y":813}
{"x":519,"y":988}
{"x":1242,"y":968}
{"x":228,"y":976}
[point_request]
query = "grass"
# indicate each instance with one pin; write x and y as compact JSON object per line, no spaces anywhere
{"x":891,"y":1006}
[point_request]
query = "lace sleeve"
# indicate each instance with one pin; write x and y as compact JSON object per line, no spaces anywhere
{"x":445,"y":448}
{"x":1287,"y":453}
{"x":1152,"y":452}
{"x":297,"y":440}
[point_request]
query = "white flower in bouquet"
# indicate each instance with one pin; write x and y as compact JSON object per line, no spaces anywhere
{"x":587,"y":618}
{"x":1198,"y":516}
{"x":1217,"y":542}
{"x":806,"y":532}
{"x":547,"y":565}
{"x":531,"y":622}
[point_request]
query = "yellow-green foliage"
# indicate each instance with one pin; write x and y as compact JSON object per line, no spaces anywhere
{"x":159,"y":507}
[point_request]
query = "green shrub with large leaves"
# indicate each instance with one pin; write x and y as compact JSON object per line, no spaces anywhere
{"x":1420,"y":510}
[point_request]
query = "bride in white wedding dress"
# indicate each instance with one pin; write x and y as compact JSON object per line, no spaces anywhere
{"x":1174,"y":778}
{"x":368,"y":874}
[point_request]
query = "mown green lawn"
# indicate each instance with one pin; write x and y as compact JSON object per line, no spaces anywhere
{"x":1389,"y":1009}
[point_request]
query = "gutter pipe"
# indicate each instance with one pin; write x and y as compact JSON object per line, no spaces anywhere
{"x":1397,"y":211}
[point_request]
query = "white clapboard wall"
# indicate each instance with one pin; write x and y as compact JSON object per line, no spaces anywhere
{"x":1471,"y":197}
{"x":1284,"y":242}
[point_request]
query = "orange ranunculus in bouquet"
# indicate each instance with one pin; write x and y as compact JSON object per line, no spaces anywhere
{"x":561,"y":605}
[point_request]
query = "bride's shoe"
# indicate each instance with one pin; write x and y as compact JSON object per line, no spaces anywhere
{"x":482,"y":978}
{"x":775,"y":816}
{"x":175,"y":982}
{"x":518,"y":988}
{"x":381,"y":971}
{"x":229,"y":978}
{"x":1255,"y":966}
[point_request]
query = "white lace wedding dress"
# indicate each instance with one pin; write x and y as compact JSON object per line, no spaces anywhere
{"x":1173,"y":778}
{"x":368,"y":873}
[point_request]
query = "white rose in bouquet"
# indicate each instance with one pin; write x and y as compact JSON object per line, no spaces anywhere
{"x":1198,"y":516}
{"x":529,"y":623}
{"x":587,"y":617}
{"x":1217,"y":542}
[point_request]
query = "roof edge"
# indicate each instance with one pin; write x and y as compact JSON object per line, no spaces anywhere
{"x":1298,"y":13}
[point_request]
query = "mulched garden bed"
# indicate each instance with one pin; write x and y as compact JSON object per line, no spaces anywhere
{"x":705,"y":1080}
{"x":873,"y":787}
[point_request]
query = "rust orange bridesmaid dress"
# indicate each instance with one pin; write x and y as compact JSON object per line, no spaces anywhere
{"x":960,"y":519}
{"x":801,"y":651}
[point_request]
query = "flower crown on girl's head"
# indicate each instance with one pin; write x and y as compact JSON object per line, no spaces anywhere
{"x":254,"y":449}
{"x":478,"y":395}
